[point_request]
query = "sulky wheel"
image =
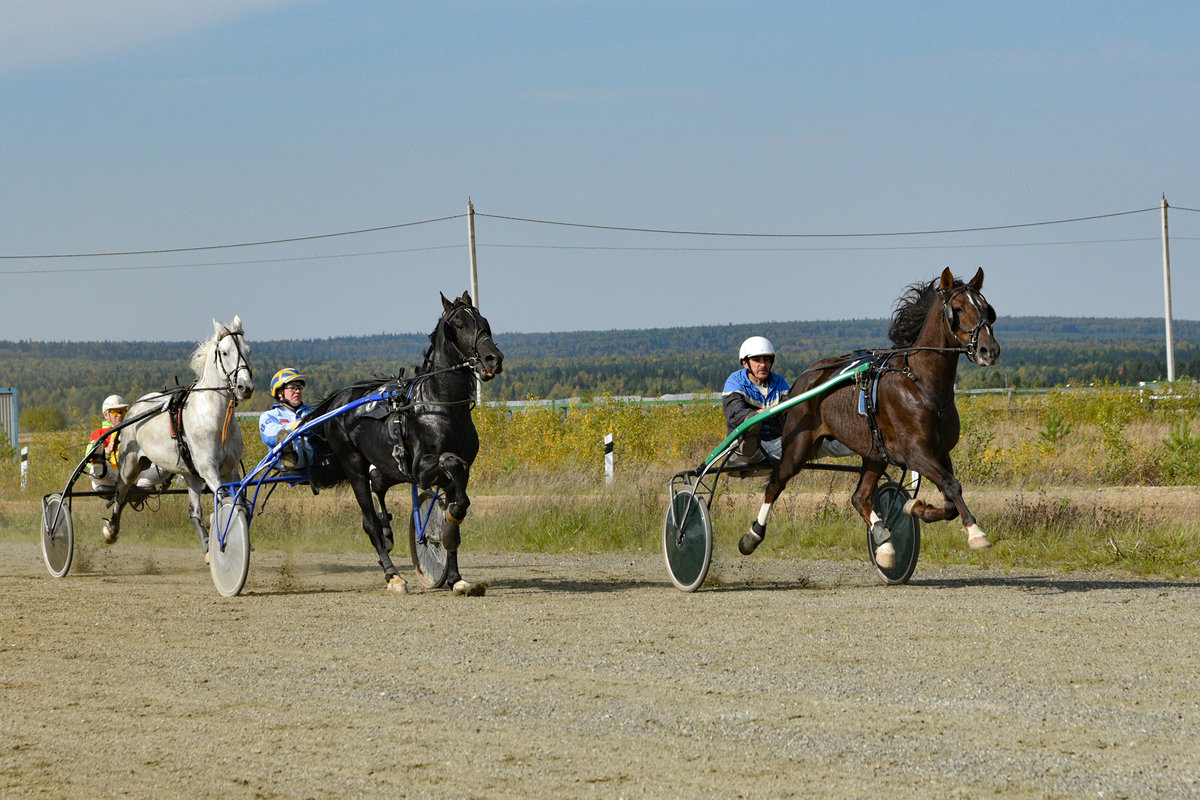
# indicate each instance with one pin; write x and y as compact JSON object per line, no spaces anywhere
{"x":425,"y":526}
{"x":229,"y":548}
{"x":687,"y":540}
{"x":58,"y":535}
{"x":889,"y":501}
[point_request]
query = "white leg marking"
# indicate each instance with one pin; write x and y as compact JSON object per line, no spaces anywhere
{"x":763,"y":513}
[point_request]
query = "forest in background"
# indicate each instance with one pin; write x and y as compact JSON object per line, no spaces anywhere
{"x":72,"y":378}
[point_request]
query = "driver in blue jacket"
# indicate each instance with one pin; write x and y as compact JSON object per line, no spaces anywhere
{"x":750,"y":390}
{"x":288,"y":413}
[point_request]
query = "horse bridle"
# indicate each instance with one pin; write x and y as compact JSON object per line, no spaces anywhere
{"x":238,"y":338}
{"x":470,"y":359}
{"x":972,"y":345}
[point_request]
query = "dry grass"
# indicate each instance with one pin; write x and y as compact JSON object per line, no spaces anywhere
{"x":1066,"y":480}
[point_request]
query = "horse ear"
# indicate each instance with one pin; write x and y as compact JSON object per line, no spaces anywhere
{"x":947,"y":280}
{"x":445,"y":303}
{"x":236,"y":324}
{"x":977,"y":281}
{"x":217,"y":327}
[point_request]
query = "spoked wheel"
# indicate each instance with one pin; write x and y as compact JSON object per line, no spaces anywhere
{"x":890,"y":498}
{"x":687,"y":540}
{"x":58,"y":535}
{"x":425,"y":526}
{"x":229,"y":563}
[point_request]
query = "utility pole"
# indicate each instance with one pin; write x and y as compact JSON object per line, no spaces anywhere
{"x":474,"y":281}
{"x":1167,"y":293}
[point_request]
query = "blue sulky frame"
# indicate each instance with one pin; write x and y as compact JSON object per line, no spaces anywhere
{"x":237,"y":502}
{"x":687,"y":529}
{"x":234,"y":506}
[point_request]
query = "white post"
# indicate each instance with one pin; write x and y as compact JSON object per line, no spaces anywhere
{"x":1167,"y":291}
{"x":474,"y":281}
{"x":608,"y":458}
{"x":24,"y":467}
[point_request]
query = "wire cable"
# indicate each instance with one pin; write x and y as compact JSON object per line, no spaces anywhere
{"x":74,"y":270}
{"x":243,"y":244}
{"x":817,"y":235}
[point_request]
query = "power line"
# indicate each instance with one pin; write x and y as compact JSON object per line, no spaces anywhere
{"x":585,"y":247}
{"x":226,"y":263}
{"x":243,"y":244}
{"x":829,"y":249}
{"x":598,"y":248}
{"x":817,"y":235}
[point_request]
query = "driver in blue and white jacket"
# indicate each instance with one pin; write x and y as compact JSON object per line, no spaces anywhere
{"x":278,"y":421}
{"x":750,"y":390}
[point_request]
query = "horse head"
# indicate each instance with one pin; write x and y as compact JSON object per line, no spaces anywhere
{"x":969,"y":317}
{"x":467,"y":331}
{"x":230,"y":352}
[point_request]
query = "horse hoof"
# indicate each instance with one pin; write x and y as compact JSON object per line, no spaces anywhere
{"x":885,"y":556}
{"x":397,"y":586}
{"x":749,"y":541}
{"x":909,"y":506}
{"x":466,"y":589}
{"x":108,"y":534}
{"x":979,"y":542}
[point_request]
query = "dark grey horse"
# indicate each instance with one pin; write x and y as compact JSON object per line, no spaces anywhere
{"x":425,"y":435}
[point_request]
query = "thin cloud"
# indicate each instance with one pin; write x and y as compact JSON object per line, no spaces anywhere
{"x":36,"y":34}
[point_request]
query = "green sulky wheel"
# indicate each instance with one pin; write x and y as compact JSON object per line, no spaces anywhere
{"x":687,"y":540}
{"x":889,"y":501}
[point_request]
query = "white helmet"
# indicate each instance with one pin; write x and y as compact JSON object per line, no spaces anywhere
{"x":114,"y":401}
{"x":756,"y":346}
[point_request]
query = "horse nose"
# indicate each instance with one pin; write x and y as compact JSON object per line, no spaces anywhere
{"x":989,"y":353}
{"x":493,"y":363}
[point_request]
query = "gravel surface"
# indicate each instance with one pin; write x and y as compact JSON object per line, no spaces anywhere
{"x":590,"y":676}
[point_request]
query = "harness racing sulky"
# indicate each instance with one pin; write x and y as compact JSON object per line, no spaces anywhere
{"x":375,"y":434}
{"x":890,"y":408}
{"x":372,"y":434}
{"x":188,"y":431}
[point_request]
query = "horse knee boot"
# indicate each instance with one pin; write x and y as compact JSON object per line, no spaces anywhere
{"x":385,"y":527}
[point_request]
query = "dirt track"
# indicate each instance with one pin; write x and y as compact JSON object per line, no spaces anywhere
{"x":590,"y":677}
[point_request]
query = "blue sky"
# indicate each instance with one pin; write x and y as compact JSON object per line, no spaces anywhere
{"x":132,"y":126}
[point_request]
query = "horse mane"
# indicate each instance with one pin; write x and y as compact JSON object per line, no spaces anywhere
{"x":912,"y":307}
{"x":200,"y":355}
{"x":438,"y":330}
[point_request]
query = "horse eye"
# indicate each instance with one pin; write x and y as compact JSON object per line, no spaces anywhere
{"x":991,"y":315}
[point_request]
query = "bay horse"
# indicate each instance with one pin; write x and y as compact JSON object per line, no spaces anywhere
{"x":905,"y":416}
{"x":194,"y":434}
{"x":424,"y":436}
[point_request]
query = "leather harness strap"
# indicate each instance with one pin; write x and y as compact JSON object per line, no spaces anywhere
{"x":175,"y":416}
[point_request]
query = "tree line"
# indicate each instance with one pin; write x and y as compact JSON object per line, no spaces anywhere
{"x":72,"y":378}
